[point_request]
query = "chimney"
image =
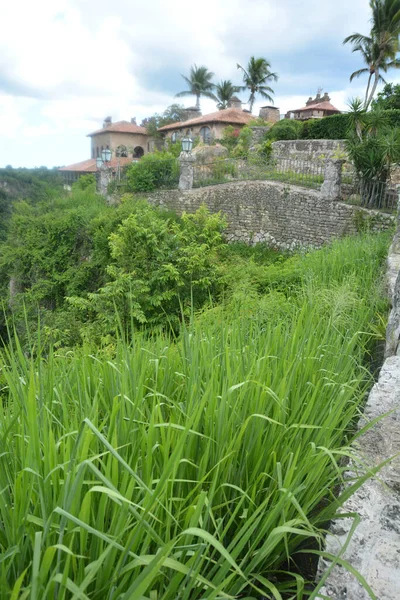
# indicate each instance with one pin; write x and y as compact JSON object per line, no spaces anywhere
{"x":326,"y":97}
{"x":133,"y":121}
{"x":191,"y":113}
{"x":107,"y":122}
{"x":270,"y":114}
{"x":234,"y":102}
{"x":309,"y":101}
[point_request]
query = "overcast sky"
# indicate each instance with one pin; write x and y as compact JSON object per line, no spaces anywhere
{"x":66,"y":64}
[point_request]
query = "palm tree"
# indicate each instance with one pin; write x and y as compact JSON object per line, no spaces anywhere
{"x":199,"y":83}
{"x":224,"y":92}
{"x":380,"y":48}
{"x":255,"y":77}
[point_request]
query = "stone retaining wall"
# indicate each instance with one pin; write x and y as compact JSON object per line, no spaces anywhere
{"x":309,"y":149}
{"x":374,"y":549}
{"x":282,"y":215}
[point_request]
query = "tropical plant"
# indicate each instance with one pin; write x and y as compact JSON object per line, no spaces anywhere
{"x":379,"y":49}
{"x":200,"y":84}
{"x":256,"y":77}
{"x":224,"y":92}
{"x":388,"y":98}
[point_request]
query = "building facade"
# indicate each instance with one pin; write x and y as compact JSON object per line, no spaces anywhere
{"x":211,"y":127}
{"x":316,"y":108}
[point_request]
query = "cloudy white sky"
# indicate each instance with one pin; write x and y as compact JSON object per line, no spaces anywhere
{"x":66,"y":64}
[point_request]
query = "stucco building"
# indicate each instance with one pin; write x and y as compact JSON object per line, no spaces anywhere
{"x":210,"y":127}
{"x":316,"y":108}
{"x":127,"y":141}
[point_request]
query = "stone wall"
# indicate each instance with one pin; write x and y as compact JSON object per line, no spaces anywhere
{"x":374,"y":549}
{"x":281,"y":215}
{"x":309,"y":149}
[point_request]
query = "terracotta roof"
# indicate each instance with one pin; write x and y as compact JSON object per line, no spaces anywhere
{"x":89,"y":166}
{"x":121,"y":127}
{"x":320,"y":106}
{"x":228,"y":115}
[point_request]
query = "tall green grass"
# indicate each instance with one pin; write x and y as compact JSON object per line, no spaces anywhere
{"x":194,"y":468}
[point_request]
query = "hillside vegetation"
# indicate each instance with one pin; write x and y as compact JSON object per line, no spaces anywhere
{"x":178,"y":425}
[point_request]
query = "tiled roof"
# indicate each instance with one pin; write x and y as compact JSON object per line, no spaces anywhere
{"x":232,"y":116}
{"x":121,"y":127}
{"x":327,"y":106}
{"x":89,"y":166}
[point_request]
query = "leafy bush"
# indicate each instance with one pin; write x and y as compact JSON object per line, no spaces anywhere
{"x":85,"y":181}
{"x":153,"y":171}
{"x":287,"y":129}
{"x":337,"y":127}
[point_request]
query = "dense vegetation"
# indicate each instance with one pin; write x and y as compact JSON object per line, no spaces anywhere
{"x":335,"y":127}
{"x":177,"y":424}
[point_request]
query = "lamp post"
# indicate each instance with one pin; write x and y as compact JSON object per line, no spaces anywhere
{"x":104,"y":171}
{"x":187,"y":145}
{"x":186,"y":160}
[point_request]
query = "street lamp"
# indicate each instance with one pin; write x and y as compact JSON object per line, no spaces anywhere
{"x":187,"y":144}
{"x":104,"y":158}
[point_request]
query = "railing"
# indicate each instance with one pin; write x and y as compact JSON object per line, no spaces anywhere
{"x":381,"y":195}
{"x":297,"y":172}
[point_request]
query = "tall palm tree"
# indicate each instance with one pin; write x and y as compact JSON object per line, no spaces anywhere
{"x":379,"y":49}
{"x":200,"y":84}
{"x":255,"y":77}
{"x":224,"y":92}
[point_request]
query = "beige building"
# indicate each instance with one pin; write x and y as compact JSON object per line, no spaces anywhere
{"x":211,"y":127}
{"x":316,"y":108}
{"x":124,"y":139}
{"x":127,"y":141}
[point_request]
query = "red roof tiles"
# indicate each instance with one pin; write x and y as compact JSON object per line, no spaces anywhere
{"x":89,"y":166}
{"x":121,"y":127}
{"x":326,"y":106}
{"x":232,"y":116}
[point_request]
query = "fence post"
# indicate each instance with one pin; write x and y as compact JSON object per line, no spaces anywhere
{"x":332,"y":185}
{"x":186,"y":160}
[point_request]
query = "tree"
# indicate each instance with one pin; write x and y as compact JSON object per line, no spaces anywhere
{"x":200,"y":84}
{"x":379,"y":49}
{"x":224,"y":92}
{"x":255,"y":77}
{"x":388,"y":98}
{"x":172,"y":114}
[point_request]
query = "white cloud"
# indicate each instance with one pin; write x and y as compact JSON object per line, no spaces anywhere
{"x":66,"y":64}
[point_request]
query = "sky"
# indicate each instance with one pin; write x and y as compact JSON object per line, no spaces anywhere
{"x":67,"y":64}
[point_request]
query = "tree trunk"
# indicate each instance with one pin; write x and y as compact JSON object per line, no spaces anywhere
{"x":376,"y":81}
{"x":198,"y":101}
{"x":366,"y":93}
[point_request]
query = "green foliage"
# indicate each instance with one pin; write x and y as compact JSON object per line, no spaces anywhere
{"x":172,"y":114}
{"x":286,"y":129}
{"x":86,"y":182}
{"x":388,"y":98}
{"x":230,"y":136}
{"x":199,"y":84}
{"x":337,"y":127}
{"x":256,"y":77}
{"x":196,"y":467}
{"x":153,"y":171}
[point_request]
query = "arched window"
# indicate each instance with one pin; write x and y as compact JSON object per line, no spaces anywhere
{"x":138,"y":152}
{"x":121,"y":151}
{"x":97,"y":152}
{"x":205,"y":135}
{"x":93,"y":152}
{"x":174,"y":137}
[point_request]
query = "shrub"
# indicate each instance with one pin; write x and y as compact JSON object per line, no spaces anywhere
{"x":336,"y":127}
{"x":287,"y":129}
{"x":153,"y":171}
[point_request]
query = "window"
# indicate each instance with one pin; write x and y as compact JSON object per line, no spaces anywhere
{"x":138,"y":152}
{"x":121,"y":151}
{"x":97,"y":152}
{"x":93,"y":152}
{"x":174,"y":137}
{"x":205,"y":135}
